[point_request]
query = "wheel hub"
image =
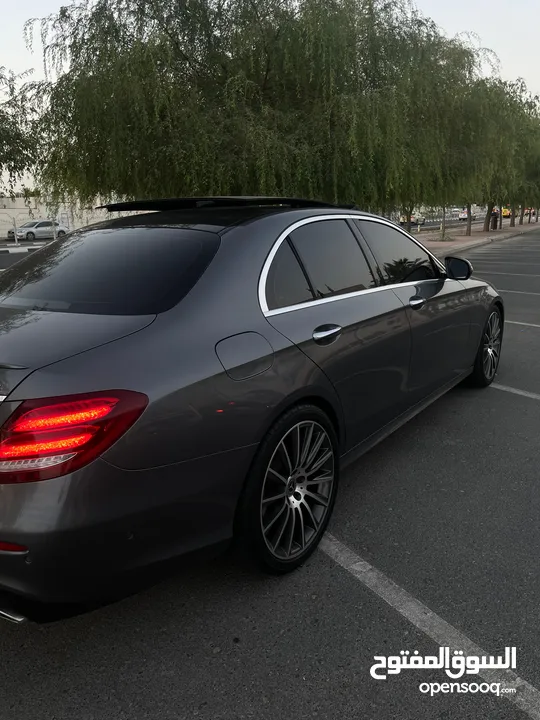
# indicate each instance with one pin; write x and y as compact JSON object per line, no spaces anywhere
{"x":295,"y":488}
{"x":291,"y":486}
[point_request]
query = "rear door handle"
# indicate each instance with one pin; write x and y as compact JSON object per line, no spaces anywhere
{"x":417,"y":302}
{"x":326,"y":334}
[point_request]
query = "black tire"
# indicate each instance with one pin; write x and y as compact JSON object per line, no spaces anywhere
{"x":484,"y":374}
{"x":302,"y":529}
{"x":60,"y":233}
{"x":30,"y":236}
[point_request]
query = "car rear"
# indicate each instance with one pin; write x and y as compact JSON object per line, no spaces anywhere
{"x":74,"y":316}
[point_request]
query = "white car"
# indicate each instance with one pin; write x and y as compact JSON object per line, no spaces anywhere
{"x":38,"y":230}
{"x":463,"y":215}
{"x":415,"y":219}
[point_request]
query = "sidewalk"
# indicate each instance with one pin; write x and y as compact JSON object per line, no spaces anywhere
{"x":457,"y":242}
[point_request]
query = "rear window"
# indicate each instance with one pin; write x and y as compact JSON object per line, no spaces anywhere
{"x":111,"y":271}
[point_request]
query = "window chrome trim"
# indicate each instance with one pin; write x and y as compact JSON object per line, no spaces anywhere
{"x":2,"y":398}
{"x":345,"y":296}
{"x":310,"y":303}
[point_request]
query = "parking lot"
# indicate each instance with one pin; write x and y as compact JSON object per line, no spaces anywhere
{"x":446,"y":512}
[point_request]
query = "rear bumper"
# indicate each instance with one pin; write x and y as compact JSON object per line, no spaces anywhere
{"x":88,"y":531}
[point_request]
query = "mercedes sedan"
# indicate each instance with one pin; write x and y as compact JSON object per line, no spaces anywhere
{"x":202,"y":370}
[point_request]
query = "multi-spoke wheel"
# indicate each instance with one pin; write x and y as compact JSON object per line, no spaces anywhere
{"x":489,"y":352}
{"x":492,"y":345}
{"x":291,"y":490}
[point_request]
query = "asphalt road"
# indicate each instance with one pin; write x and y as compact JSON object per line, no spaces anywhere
{"x":14,"y":255}
{"x":447,"y":508}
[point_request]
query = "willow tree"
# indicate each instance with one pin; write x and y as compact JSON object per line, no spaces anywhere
{"x":16,"y":145}
{"x":346,"y":100}
{"x":209,"y":97}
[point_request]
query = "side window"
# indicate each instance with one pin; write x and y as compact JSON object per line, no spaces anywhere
{"x":333,"y":259}
{"x":286,"y":283}
{"x":44,"y":224}
{"x":400,"y":259}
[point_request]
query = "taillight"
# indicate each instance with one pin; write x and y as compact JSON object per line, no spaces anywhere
{"x":53,"y":436}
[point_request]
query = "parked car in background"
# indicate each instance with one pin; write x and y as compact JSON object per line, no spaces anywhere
{"x":463,"y":214}
{"x":506,"y":212}
{"x":119,"y":448}
{"x":416,"y":219}
{"x":38,"y":230}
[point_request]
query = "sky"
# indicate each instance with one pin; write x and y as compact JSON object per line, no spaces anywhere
{"x":510,"y":28}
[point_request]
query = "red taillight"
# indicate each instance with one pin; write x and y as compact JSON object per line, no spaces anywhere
{"x":51,"y":437}
{"x":64,"y":414}
{"x":12,"y":547}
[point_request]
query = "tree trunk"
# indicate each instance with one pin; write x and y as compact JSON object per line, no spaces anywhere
{"x":469,"y":221}
{"x":530,"y":216}
{"x":487,"y":219}
{"x":537,"y":214}
{"x":443,"y":224}
{"x":408,"y":213}
{"x":513,"y":215}
{"x":500,"y":216}
{"x":522,"y":213}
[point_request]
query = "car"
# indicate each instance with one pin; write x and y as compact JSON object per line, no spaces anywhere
{"x":506,"y":212}
{"x":464,"y":213}
{"x":416,"y":219}
{"x":201,"y":371}
{"x":38,"y":230}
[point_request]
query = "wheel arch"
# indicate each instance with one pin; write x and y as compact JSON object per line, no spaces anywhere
{"x":308,"y":396}
{"x":498,"y":303}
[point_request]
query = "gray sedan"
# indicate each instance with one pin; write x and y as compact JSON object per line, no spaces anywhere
{"x":172,"y":379}
{"x":38,"y":230}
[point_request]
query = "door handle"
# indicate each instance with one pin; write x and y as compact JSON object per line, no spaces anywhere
{"x":326,"y":334}
{"x":417,"y":302}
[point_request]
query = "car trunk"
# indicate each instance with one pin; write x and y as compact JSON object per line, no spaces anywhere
{"x":31,"y":339}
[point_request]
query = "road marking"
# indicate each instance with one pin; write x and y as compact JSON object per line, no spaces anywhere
{"x":515,"y":391}
{"x":515,"y":322}
{"x":527,"y":697}
{"x":517,"y":292}
{"x":496,"y":272}
{"x":479,"y":261}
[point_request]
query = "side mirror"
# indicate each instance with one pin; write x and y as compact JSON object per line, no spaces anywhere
{"x":458,"y":268}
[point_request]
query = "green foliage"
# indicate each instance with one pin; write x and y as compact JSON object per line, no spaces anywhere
{"x":360,"y":101}
{"x":16,"y":146}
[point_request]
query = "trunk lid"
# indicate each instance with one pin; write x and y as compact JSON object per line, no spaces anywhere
{"x":31,"y":339}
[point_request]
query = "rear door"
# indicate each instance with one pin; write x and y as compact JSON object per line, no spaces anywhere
{"x":356,"y":331}
{"x":438,"y":307}
{"x":44,"y":230}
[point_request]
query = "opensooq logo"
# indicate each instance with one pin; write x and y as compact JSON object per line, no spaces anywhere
{"x":455,"y":665}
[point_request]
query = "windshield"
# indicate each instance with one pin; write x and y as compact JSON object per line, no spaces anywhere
{"x":111,"y":271}
{"x":30,"y":224}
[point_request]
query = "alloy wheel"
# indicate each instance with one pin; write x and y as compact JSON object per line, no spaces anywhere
{"x":492,"y":345}
{"x":297,"y":490}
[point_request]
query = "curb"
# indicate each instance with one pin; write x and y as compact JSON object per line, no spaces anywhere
{"x":18,"y":250}
{"x":480,"y":243}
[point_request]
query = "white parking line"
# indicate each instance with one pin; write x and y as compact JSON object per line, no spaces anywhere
{"x":496,"y":272}
{"x":515,"y":391}
{"x":515,"y":322}
{"x":527,"y":697}
{"x":505,"y":262}
{"x":517,"y":292}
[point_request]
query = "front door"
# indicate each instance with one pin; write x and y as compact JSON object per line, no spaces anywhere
{"x":437,"y":307}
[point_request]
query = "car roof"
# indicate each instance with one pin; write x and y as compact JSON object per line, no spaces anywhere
{"x":220,"y":217}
